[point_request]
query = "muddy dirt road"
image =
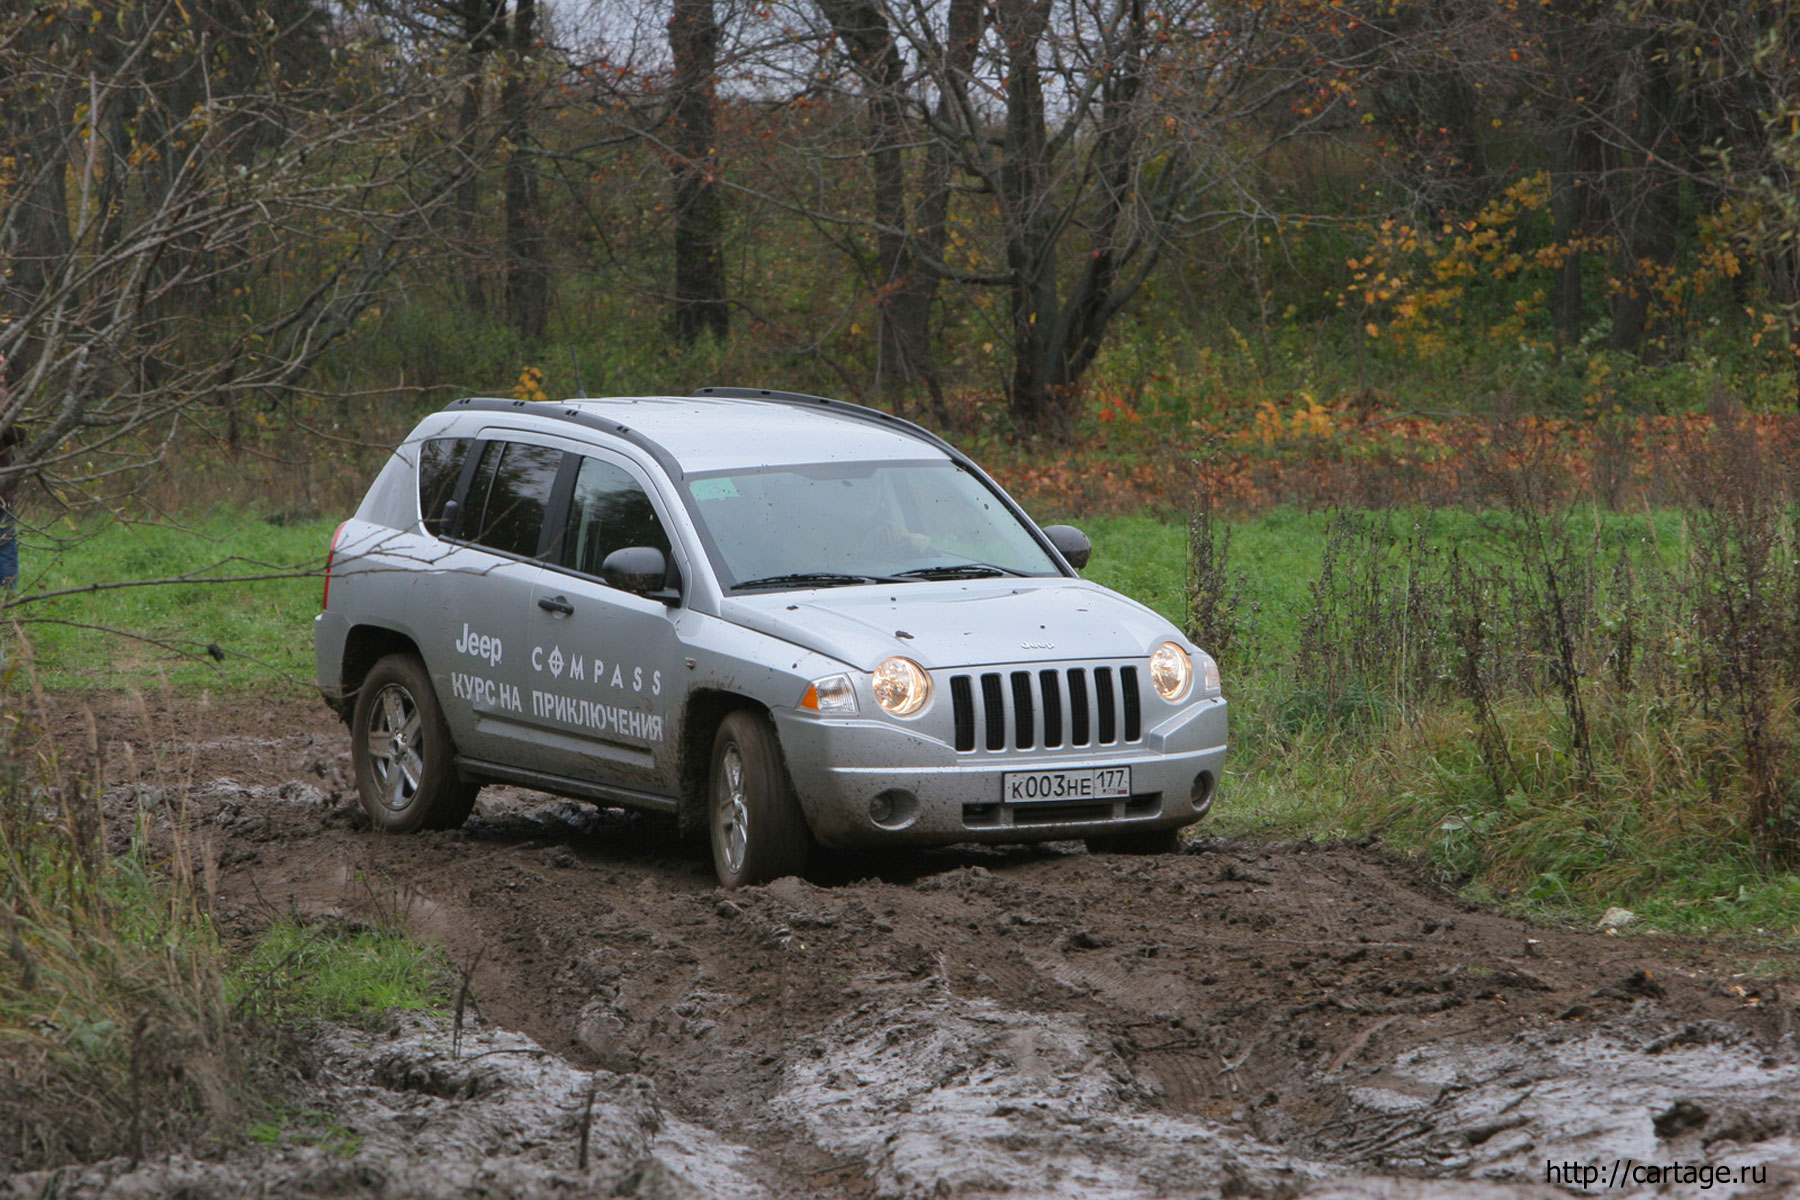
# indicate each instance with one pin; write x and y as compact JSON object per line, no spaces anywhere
{"x":1239,"y":1020}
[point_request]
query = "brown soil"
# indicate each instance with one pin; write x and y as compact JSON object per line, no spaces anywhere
{"x":1239,"y":1019}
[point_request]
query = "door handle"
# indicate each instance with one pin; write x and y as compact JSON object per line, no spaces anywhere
{"x":556,"y":604}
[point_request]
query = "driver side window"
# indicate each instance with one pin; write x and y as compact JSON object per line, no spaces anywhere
{"x":609,"y":510}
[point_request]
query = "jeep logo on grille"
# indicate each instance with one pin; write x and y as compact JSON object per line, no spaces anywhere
{"x":1037,"y":645}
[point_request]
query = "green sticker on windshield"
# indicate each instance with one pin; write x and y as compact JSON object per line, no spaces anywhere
{"x":714,"y":489}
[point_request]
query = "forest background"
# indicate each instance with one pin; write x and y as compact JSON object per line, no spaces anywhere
{"x":1436,"y":364}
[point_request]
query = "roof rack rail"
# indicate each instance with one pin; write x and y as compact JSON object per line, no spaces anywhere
{"x":855,"y":412}
{"x":562,"y":412}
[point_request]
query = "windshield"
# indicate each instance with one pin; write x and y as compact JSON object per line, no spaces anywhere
{"x":846,"y":523}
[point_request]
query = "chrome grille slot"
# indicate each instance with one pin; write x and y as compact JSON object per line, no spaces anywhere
{"x":1024,"y":710}
{"x":1103,"y":703}
{"x":1051,"y":682}
{"x":962,"y":703}
{"x":1024,"y":732}
{"x":993,"y":706}
{"x":1078,"y":707}
{"x":1128,"y":693}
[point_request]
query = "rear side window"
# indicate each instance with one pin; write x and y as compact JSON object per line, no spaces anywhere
{"x":440,"y":466}
{"x":513,"y":484}
{"x":608,"y":511}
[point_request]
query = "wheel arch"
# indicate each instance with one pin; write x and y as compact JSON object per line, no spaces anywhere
{"x":701,"y":716}
{"x":364,"y":646}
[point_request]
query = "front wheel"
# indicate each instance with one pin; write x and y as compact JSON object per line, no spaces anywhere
{"x":758,"y":830}
{"x":404,"y":757}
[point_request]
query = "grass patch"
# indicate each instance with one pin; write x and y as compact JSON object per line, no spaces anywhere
{"x":306,"y":1127}
{"x":126,"y":1026}
{"x":115,"y":1034}
{"x":349,"y":974}
{"x":195,"y":635}
{"x":1360,"y":699}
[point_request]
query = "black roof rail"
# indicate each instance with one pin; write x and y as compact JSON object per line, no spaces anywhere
{"x":543,"y":408}
{"x":844,"y":408}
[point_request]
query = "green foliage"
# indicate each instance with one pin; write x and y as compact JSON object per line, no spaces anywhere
{"x":143,"y":636}
{"x":336,"y":973}
{"x":306,"y":1127}
{"x":1333,"y":749}
{"x":114,"y":1033}
{"x":126,"y":1025}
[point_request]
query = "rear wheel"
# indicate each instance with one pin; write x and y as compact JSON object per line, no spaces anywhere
{"x":758,"y":831}
{"x":1149,"y":841}
{"x":404,"y":757}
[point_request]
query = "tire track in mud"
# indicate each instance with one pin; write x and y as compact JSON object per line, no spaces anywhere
{"x":1279,"y":1019}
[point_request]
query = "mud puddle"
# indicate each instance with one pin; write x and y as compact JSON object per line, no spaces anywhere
{"x":1240,"y":1020}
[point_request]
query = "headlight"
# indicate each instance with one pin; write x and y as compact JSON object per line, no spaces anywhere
{"x":1171,"y":672}
{"x":832,"y":694}
{"x":901,"y":686}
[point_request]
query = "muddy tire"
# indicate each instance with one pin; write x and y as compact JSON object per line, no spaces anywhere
{"x":1150,"y":841}
{"x":758,"y":831}
{"x":404,"y":757}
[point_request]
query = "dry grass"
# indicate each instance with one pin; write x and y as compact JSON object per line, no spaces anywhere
{"x":115,"y":1037}
{"x":1575,"y":706}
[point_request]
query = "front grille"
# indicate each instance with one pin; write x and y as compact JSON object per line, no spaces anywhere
{"x":1061,"y":812}
{"x":1020,"y":710}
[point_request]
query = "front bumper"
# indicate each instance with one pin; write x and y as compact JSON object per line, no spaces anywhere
{"x":849,"y":772}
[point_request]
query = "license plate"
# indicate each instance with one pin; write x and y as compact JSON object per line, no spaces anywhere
{"x":1098,"y":783}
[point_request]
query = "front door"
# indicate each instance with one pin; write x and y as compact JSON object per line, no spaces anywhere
{"x":605,"y":686}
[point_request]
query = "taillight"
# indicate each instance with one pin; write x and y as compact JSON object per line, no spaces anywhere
{"x":325,"y":600}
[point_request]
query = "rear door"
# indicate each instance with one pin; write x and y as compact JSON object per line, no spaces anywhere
{"x":477,"y":605}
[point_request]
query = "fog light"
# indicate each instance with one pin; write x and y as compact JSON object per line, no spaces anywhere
{"x":893,"y":809}
{"x":1202,"y":795}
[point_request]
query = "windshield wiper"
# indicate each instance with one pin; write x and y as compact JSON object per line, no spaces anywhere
{"x":968,"y":570}
{"x":810,"y":579}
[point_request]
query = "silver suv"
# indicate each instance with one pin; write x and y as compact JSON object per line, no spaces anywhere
{"x":780,"y":619}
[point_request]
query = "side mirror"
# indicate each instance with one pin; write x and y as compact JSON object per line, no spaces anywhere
{"x":639,"y":569}
{"x":1071,"y":543}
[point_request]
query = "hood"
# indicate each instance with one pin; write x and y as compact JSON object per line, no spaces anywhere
{"x":961,"y":623}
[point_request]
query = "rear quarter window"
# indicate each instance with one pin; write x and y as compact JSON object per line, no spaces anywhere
{"x":440,"y":466}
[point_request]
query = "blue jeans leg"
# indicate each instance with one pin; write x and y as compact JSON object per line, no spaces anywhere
{"x":9,"y":550}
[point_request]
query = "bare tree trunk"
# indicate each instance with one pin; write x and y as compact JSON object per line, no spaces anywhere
{"x":480,"y":24}
{"x":700,"y":298}
{"x":527,"y":274}
{"x":1646,"y":202}
{"x":43,"y":244}
{"x":903,"y":291}
{"x":1575,"y":199}
{"x":1053,"y":343}
{"x":1038,"y":394}
{"x":1100,"y":293}
{"x":966,"y":20}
